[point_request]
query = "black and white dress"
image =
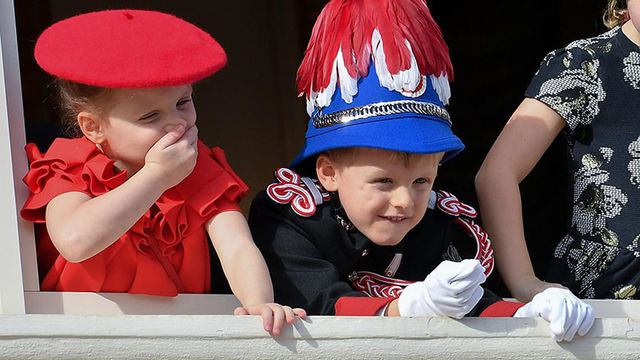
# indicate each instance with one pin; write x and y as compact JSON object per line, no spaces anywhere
{"x":594,"y":84}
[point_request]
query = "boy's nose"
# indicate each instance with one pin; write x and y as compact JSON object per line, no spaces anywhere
{"x":401,"y":198}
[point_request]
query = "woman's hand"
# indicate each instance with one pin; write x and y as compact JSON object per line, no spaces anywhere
{"x":273,"y":315}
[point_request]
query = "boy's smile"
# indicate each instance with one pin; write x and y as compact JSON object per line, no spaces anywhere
{"x":384,"y":193}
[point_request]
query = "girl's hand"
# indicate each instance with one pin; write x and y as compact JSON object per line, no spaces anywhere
{"x":273,"y":315}
{"x":173,"y":157}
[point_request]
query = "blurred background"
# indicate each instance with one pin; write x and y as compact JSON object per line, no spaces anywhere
{"x":252,"y":111}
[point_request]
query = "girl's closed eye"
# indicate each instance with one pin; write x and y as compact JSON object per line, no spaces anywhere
{"x":149,"y":116}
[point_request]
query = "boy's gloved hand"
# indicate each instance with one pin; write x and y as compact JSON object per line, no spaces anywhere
{"x":564,"y":311}
{"x":451,"y":289}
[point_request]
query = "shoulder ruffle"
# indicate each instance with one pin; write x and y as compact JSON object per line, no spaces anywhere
{"x":68,"y":165}
{"x":211,"y":188}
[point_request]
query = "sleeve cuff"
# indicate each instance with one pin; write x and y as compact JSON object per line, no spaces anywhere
{"x":361,"y":306}
{"x":501,"y":309}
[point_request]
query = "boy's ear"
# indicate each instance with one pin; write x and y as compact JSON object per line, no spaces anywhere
{"x":326,"y":171}
{"x":91,"y":126}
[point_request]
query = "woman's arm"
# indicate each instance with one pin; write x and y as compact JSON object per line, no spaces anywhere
{"x":247,"y":271}
{"x":525,"y":137}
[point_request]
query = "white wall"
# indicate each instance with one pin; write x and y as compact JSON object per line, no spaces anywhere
{"x":229,"y":337}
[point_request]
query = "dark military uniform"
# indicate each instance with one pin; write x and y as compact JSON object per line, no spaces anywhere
{"x":316,"y":260}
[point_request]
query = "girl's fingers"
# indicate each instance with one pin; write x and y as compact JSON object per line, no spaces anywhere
{"x":289,"y":316}
{"x":301,"y":313}
{"x":278,"y":319}
{"x":240,"y":311}
{"x":171,"y":137}
{"x":267,"y":318}
{"x":273,"y":315}
{"x":192,"y":135}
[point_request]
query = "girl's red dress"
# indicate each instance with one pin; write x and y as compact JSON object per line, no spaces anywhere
{"x":164,"y":253}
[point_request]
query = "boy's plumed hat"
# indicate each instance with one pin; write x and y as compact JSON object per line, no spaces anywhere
{"x":376,"y":74}
{"x":128,"y":48}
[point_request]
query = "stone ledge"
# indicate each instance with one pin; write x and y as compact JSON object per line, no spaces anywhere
{"x":226,"y":336}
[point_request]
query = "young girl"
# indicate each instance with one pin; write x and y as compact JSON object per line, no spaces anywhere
{"x":128,"y":206}
{"x":591,"y":89}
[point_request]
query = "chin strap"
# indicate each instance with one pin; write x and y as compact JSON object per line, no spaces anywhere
{"x":465,"y":215}
{"x":376,"y":285}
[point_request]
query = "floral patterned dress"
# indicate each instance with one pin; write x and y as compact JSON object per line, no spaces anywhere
{"x":594,"y":84}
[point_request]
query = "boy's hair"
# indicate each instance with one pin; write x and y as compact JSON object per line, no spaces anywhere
{"x":616,"y":13}
{"x":346,"y":155}
{"x":74,"y":97}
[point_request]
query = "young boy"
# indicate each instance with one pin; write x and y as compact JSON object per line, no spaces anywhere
{"x":354,"y":228}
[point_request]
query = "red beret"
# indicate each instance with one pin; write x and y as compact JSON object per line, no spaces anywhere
{"x":128,"y":48}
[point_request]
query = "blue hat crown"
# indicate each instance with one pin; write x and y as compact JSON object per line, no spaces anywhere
{"x":377,"y":117}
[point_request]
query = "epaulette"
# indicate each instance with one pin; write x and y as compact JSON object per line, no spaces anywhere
{"x":303,"y":193}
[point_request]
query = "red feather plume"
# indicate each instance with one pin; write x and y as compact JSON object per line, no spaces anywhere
{"x":348,"y":26}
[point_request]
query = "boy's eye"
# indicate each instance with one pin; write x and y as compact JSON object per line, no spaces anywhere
{"x":421,"y":181}
{"x":383,"y":180}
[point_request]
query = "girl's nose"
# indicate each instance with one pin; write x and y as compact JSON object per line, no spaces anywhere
{"x":189,"y":122}
{"x":178,"y":120}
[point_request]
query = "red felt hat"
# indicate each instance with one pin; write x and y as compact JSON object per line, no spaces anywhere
{"x":128,"y":49}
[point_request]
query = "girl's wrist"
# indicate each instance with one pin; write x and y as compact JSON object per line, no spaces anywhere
{"x":152,"y":174}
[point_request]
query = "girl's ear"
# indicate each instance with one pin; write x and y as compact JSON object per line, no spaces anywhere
{"x":91,"y":127}
{"x":326,"y":171}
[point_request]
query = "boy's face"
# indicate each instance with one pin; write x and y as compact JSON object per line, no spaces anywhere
{"x":384,"y":194}
{"x":135,"y":119}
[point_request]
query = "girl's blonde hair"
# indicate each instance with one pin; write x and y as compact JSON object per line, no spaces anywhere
{"x":616,"y":13}
{"x":74,"y":97}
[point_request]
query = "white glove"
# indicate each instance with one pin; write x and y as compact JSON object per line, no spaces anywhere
{"x":564,"y":311}
{"x":451,"y":289}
